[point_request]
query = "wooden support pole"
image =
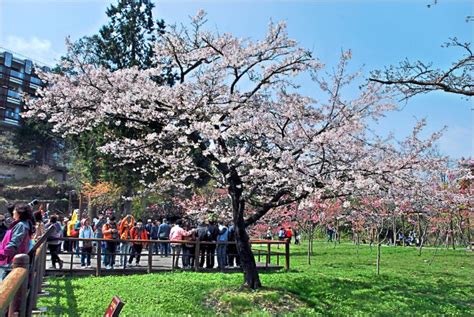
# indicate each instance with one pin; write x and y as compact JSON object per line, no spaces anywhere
{"x":196,"y":255}
{"x":18,"y":305}
{"x":174,"y":256}
{"x":269,"y":250}
{"x":150,"y":257}
{"x":287,"y":255}
{"x":99,"y":258}
{"x":72,"y":259}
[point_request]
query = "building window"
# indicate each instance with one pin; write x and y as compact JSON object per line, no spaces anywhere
{"x":8,"y":59}
{"x":28,"y":66}
{"x":12,"y":114}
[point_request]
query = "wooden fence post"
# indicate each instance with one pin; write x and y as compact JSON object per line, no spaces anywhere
{"x":99,"y":258}
{"x":35,"y":279}
{"x":173,"y":259}
{"x":19,"y":301}
{"x":287,"y":255}
{"x":196,"y":255}
{"x":72,"y":257}
{"x":268,"y":254}
{"x":150,"y":257}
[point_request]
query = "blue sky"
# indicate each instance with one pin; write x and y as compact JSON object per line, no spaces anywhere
{"x":379,"y":33}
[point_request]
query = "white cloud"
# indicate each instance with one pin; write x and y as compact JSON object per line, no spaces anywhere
{"x":39,"y":50}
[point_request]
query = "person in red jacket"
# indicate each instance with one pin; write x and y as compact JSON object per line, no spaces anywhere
{"x":289,"y":234}
{"x":138,"y":232}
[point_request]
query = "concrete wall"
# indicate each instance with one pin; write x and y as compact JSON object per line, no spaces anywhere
{"x":13,"y":171}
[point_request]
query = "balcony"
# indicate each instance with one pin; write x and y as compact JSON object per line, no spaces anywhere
{"x":36,"y":81}
{"x":13,"y":94}
{"x":16,"y":74}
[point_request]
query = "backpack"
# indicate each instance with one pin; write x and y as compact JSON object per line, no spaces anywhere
{"x":204,"y":234}
{"x":231,"y":236}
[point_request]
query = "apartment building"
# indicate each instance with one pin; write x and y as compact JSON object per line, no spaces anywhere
{"x":17,"y":76}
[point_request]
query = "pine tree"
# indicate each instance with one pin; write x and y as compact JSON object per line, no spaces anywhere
{"x":126,"y":41}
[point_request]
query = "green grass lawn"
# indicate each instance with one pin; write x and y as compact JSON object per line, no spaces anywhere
{"x":340,"y":281}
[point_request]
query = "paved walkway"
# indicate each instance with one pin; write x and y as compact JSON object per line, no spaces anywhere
{"x":159,"y":264}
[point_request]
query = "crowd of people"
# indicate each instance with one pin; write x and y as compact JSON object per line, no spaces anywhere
{"x":21,"y":227}
{"x":164,"y":237}
{"x":284,"y":234}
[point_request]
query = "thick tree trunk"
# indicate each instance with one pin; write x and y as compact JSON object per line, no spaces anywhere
{"x":451,"y":228}
{"x":394,"y":230}
{"x":379,"y":245}
{"x":468,"y":227}
{"x":247,"y":260}
{"x":310,"y":247}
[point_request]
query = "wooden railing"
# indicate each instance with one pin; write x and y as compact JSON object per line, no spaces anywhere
{"x":14,"y":288}
{"x":268,"y":252}
{"x":19,"y":291}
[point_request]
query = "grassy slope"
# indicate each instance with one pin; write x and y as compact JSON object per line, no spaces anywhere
{"x":340,"y":281}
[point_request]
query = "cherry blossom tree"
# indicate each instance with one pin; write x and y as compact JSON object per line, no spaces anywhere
{"x":206,"y":205}
{"x":236,"y":102}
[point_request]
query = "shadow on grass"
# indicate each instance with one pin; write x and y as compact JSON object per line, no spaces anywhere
{"x":62,"y":288}
{"x":384,"y":295}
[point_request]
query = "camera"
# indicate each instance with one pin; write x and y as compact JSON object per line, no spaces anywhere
{"x":34,"y":202}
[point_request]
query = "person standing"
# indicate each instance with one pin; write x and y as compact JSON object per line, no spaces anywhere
{"x":178,"y":234}
{"x":213,"y":232}
{"x":189,"y":248}
{"x":99,"y":235}
{"x":86,"y":246}
{"x":154,"y":236}
{"x":164,"y":234}
{"x":222,"y":240}
{"x":54,"y":241}
{"x":268,"y":234}
{"x":17,"y":237}
{"x":281,"y":234}
{"x":148,"y":227}
{"x":232,"y":253}
{"x":138,"y":232}
{"x":330,"y":232}
{"x":202,"y":236}
{"x":289,"y":234}
{"x":125,"y":226}
{"x":110,"y":232}
{"x":39,"y":227}
{"x":296,"y":235}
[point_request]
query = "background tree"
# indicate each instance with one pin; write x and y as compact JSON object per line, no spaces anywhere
{"x":126,"y":41}
{"x":413,"y":78}
{"x":420,"y":77}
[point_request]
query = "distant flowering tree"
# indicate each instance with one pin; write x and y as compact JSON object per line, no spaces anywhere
{"x":454,"y":200}
{"x":236,"y":103}
{"x":205,"y":206}
{"x":160,"y":211}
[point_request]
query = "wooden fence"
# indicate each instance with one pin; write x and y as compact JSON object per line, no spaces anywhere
{"x":267,"y":253}
{"x":19,"y":291}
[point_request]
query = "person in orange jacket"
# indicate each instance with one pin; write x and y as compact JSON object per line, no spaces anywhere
{"x":125,"y":226}
{"x":138,"y":232}
{"x":110,"y":231}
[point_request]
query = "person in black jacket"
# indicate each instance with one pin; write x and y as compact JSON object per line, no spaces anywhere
{"x":202,"y":236}
{"x":213,"y":232}
{"x":232,"y":253}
